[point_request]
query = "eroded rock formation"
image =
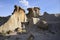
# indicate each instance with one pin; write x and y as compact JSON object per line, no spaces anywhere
{"x":18,"y":18}
{"x":33,"y":12}
{"x":15,"y":21}
{"x":33,"y":15}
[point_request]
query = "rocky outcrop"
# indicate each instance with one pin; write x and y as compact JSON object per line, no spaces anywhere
{"x":53,"y":21}
{"x":15,"y":21}
{"x":33,"y":12}
{"x":33,"y":15}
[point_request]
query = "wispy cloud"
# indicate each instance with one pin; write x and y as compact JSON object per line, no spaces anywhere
{"x":24,"y":2}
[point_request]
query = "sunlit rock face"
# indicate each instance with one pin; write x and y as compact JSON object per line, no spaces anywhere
{"x":15,"y":20}
{"x":35,"y":20}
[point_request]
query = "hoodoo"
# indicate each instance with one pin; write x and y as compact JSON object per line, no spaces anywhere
{"x":15,"y":21}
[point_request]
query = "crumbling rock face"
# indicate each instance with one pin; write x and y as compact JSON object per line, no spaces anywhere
{"x":15,"y":20}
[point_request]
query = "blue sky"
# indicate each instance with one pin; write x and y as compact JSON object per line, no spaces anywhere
{"x":50,"y":6}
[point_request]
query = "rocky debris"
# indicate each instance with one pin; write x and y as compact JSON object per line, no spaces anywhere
{"x":34,"y":34}
{"x":31,"y":37}
{"x":54,"y":27}
{"x":42,"y":25}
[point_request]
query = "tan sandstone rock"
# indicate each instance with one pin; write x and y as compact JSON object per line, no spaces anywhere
{"x":15,"y":20}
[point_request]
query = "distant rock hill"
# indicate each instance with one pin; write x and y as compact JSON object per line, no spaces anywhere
{"x":4,"y":19}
